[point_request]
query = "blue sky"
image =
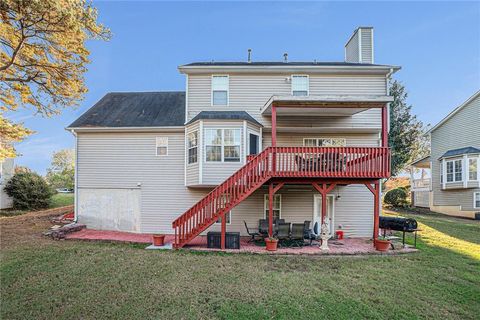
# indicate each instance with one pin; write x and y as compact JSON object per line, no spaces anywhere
{"x":436,"y":43}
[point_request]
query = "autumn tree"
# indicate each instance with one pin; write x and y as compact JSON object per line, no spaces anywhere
{"x":61,"y":173}
{"x":43,"y":59}
{"x":406,"y":138}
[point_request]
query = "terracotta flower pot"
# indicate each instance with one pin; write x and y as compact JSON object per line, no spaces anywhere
{"x":271,"y":244}
{"x":158,"y":240}
{"x":382,"y":245}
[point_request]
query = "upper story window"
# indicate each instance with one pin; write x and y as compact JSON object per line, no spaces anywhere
{"x":162,"y":146}
{"x":192,"y":146}
{"x":454,"y":170}
{"x":300,"y":85}
{"x":324,"y":142}
{"x":222,"y":145}
{"x":473,"y":168}
{"x":220,"y":90}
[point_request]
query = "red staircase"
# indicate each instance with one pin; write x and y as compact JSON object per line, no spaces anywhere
{"x":276,"y":162}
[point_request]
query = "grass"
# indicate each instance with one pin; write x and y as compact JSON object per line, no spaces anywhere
{"x":44,"y":279}
{"x":56,"y":201}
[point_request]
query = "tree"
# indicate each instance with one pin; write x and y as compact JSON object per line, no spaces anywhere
{"x":406,"y":138}
{"x":29,"y":191}
{"x":61,"y":173}
{"x":43,"y":59}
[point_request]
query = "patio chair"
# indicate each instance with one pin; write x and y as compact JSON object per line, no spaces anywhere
{"x":312,"y":234}
{"x":251,"y":233}
{"x":276,"y":223}
{"x":283,"y":234}
{"x":297,"y":234}
{"x":263,"y":227}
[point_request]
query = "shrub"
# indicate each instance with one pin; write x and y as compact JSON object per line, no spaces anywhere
{"x":29,"y":191}
{"x":396,"y":197}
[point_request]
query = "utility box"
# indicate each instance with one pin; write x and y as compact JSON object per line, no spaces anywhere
{"x":232,"y":240}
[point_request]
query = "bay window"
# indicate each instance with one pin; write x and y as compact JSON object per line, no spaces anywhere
{"x":454,"y":170}
{"x":222,"y":145}
{"x":473,"y":169}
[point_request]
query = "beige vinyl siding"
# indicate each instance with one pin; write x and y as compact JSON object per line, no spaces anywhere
{"x":251,"y":92}
{"x":421,"y":199}
{"x":367,"y":45}
{"x":461,"y":130}
{"x":123,"y":160}
{"x":351,"y":49}
{"x":192,"y":169}
{"x":215,"y":173}
{"x":7,"y":169}
{"x":353,"y":210}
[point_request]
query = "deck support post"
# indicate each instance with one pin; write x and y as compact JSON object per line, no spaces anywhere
{"x":375,"y":189}
{"x":274,"y":137}
{"x":270,"y":209}
{"x":223,"y":233}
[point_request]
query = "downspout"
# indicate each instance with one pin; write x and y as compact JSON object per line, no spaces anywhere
{"x":75,"y":189}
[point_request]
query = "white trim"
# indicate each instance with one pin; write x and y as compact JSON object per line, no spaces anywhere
{"x":454,"y":172}
{"x":186,"y":98}
{"x":185,"y":159}
{"x":265,"y":203}
{"x":457,"y":109}
{"x":161,"y":145}
{"x":300,"y":75}
{"x":360,"y":56}
{"x":465,"y":170}
{"x":200,"y":153}
{"x":188,"y":148}
{"x":260,"y":141}
{"x":75,"y":178}
{"x":478,"y":171}
{"x":474,"y":199}
{"x":373,"y":48}
{"x":444,"y":174}
{"x":211,"y":90}
{"x":244,"y":157}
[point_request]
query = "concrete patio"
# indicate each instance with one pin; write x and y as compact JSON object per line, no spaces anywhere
{"x":350,"y":246}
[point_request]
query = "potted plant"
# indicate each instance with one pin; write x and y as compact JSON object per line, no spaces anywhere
{"x":271,"y":243}
{"x":382,"y":244}
{"x":158,"y":240}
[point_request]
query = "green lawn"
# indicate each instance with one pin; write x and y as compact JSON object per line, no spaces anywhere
{"x":44,"y":279}
{"x":57,"y":200}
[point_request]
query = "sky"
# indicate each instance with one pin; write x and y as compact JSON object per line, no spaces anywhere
{"x":437,"y":44}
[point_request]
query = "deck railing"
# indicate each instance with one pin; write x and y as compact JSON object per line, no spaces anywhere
{"x":273,"y":162}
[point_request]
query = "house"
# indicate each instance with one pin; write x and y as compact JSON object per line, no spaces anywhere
{"x":454,"y":186}
{"x":7,"y":169}
{"x":245,"y":141}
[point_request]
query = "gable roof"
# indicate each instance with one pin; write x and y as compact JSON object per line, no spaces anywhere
{"x":455,"y":111}
{"x":461,"y":151}
{"x":224,"y":115}
{"x":135,"y":109}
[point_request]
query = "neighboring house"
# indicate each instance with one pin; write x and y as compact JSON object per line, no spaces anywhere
{"x":245,"y":141}
{"x":7,"y":169}
{"x":454,"y":186}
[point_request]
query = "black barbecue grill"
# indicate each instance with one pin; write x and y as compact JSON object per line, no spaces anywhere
{"x":399,"y":224}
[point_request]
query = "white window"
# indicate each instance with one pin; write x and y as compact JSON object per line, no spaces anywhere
{"x":324,"y":142}
{"x":223,"y":202}
{"x":454,"y":170}
{"x":277,"y":206}
{"x":220,"y":90}
{"x":222,"y":145}
{"x":192,"y":146}
{"x":300,"y":85}
{"x":162,"y":146}
{"x":476,"y":200}
{"x":473,"y":169}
